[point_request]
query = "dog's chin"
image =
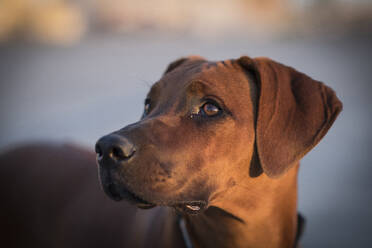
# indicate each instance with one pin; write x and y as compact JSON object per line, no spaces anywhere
{"x":123,"y":194}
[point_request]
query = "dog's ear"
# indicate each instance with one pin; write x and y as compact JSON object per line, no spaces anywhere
{"x":173,"y":65}
{"x":294,"y":113}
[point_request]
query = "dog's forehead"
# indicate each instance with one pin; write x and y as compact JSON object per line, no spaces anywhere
{"x":219,"y":76}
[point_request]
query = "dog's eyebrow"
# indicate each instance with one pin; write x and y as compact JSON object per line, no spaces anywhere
{"x":198,"y":85}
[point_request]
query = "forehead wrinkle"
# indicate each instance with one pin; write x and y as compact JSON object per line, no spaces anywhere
{"x":195,"y":85}
{"x":203,"y":80}
{"x":210,"y":88}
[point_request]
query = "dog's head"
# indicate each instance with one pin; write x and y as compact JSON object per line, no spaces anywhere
{"x":205,"y":122}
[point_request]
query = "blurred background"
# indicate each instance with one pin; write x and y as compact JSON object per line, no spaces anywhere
{"x":71,"y":71}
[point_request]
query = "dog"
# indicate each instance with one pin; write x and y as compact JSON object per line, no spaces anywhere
{"x":218,"y":148}
{"x":220,"y":142}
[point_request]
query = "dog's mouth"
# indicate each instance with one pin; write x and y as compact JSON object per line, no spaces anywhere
{"x":115,"y":194}
{"x":190,"y":207}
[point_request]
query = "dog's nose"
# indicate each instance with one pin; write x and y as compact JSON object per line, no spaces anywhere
{"x":114,"y":147}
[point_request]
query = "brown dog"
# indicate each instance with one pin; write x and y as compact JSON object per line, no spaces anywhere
{"x":219,"y":142}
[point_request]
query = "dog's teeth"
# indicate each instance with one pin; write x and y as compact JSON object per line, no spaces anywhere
{"x":194,"y":208}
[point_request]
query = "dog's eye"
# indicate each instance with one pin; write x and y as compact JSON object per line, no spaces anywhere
{"x":210,"y":109}
{"x":147,"y":107}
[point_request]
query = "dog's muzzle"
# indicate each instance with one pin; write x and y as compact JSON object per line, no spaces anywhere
{"x":112,"y":151}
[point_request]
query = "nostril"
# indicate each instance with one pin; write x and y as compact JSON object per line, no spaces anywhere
{"x":122,"y":153}
{"x":118,"y":153}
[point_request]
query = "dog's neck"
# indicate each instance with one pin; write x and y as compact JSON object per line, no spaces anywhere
{"x":259,"y":213}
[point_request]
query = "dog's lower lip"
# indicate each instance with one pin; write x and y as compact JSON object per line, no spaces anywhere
{"x":145,"y":205}
{"x":140,"y":203}
{"x":191,"y":207}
